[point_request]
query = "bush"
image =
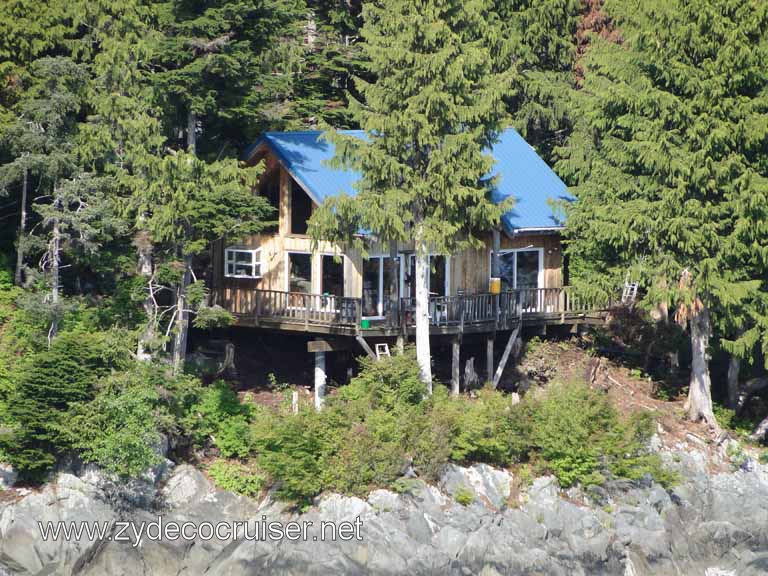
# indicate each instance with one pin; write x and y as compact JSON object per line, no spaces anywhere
{"x":236,"y":477}
{"x":383,"y":422}
{"x":48,"y":384}
{"x":579,"y":436}
{"x":491,"y":430}
{"x":464,"y":495}
{"x":120,"y":429}
{"x":233,"y":437}
{"x":215,"y":405}
{"x":290,"y":450}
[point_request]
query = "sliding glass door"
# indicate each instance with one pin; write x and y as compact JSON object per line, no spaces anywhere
{"x":521,"y":269}
{"x":378,"y":274}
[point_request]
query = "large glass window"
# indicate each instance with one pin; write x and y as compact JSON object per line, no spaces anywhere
{"x":528,"y":269}
{"x":242,"y":262}
{"x":378,"y":275}
{"x":519,"y":269}
{"x":301,"y":209}
{"x":299,"y":272}
{"x":269,"y":188}
{"x":438,"y":276}
{"x":371,"y":287}
{"x":333,"y":275}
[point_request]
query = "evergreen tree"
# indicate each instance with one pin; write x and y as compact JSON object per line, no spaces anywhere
{"x":542,"y":37}
{"x":332,"y":56}
{"x":224,"y":69}
{"x":29,"y":29}
{"x":188,"y":204}
{"x":123,"y":138}
{"x":669,"y":159}
{"x":45,"y":140}
{"x":47,"y":386}
{"x":435,"y":106}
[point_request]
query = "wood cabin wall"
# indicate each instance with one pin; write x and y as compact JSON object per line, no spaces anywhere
{"x":276,"y":244}
{"x":469,"y":270}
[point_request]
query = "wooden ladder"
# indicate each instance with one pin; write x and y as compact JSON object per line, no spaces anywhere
{"x":382,"y":350}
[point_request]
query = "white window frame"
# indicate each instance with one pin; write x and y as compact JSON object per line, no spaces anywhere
{"x":380,"y":302}
{"x":255,"y":262}
{"x":287,"y":269}
{"x":540,"y":250}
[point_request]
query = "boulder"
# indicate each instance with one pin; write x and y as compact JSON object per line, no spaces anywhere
{"x":709,"y":524}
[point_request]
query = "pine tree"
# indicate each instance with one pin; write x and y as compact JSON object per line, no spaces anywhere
{"x":71,"y":204}
{"x":669,"y":158}
{"x":224,"y":69}
{"x":188,"y":204}
{"x":542,"y":37}
{"x":435,"y":106}
{"x":331,"y":57}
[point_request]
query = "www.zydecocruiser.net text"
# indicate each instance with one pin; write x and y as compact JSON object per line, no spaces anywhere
{"x":160,"y":529}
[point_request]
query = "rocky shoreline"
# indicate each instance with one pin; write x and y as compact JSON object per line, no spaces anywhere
{"x":711,"y":524}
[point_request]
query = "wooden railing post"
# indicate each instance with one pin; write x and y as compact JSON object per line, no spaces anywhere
{"x":306,"y":299}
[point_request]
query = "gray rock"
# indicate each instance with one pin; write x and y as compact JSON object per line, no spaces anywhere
{"x":8,"y":476}
{"x":713,"y":525}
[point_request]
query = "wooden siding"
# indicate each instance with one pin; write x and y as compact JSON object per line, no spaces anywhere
{"x":469,"y":270}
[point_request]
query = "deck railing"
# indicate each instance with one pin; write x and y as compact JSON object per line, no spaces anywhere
{"x":460,"y":309}
{"x":292,"y":307}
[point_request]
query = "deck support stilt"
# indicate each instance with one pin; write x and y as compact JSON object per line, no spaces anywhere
{"x":319,"y":379}
{"x":365,"y":346}
{"x":489,"y":359}
{"x":455,"y":366}
{"x":505,"y":356}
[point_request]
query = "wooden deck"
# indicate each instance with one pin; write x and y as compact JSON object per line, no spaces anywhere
{"x":462,"y":313}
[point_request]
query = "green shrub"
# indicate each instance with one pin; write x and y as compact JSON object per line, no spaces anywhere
{"x":215,"y":404}
{"x":491,"y":430}
{"x":383,"y":421}
{"x":464,"y":495}
{"x":363,"y":460}
{"x":290,"y":451}
{"x":47,"y":385}
{"x":236,"y":477}
{"x":120,"y":429}
{"x":728,"y":419}
{"x":578,"y":435}
{"x":233,"y":437}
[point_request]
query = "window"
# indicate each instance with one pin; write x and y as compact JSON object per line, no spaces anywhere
{"x":333,"y":275}
{"x":301,"y":209}
{"x":299,"y":272}
{"x":242,"y":262}
{"x":270,"y":189}
{"x":437,"y":276}
{"x":521,"y":269}
{"x":378,"y":274}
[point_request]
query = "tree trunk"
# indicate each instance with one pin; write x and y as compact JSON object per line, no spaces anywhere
{"x":182,"y":319}
{"x":192,"y":132}
{"x":144,"y":251}
{"x":394,"y":287}
{"x":455,"y":366}
{"x":423,"y":356}
{"x":734,"y":366}
{"x":54,"y":249}
{"x":699,"y":404}
{"x":18,"y":276}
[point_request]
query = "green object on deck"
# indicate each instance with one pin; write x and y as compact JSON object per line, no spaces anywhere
{"x":365,"y":324}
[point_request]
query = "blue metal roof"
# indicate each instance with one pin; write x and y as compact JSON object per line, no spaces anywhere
{"x":521,"y":173}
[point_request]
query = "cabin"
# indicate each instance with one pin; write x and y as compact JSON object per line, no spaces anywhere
{"x":276,"y":281}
